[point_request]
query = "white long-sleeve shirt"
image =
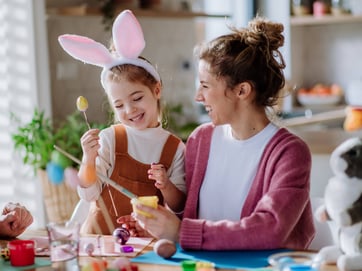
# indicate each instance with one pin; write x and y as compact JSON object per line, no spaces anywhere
{"x":143,"y":145}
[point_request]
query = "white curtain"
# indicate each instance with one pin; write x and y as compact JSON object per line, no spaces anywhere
{"x":24,"y":85}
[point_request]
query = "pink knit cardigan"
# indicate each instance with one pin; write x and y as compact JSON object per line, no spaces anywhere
{"x":277,"y":212}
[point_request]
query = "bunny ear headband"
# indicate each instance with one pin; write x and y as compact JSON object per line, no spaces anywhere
{"x":128,"y":41}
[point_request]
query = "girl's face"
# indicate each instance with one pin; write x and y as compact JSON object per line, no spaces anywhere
{"x":212,"y":94}
{"x":135,"y":105}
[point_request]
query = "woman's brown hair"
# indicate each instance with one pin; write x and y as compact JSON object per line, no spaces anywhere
{"x":249,"y":55}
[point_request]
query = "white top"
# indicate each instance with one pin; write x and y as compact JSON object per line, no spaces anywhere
{"x":143,"y":145}
{"x":230,"y":172}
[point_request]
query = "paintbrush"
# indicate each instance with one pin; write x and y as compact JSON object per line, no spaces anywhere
{"x":104,"y":178}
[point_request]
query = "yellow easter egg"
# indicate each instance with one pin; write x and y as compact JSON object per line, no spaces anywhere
{"x":82,"y":103}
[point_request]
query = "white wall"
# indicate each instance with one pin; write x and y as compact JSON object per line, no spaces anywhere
{"x":327,"y":53}
{"x":169,"y":46}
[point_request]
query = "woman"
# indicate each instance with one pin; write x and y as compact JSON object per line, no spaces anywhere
{"x":248,"y":180}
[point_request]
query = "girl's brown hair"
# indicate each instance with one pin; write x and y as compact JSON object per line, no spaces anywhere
{"x":249,"y":55}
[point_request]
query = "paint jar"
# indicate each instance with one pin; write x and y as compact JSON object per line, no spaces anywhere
{"x":22,"y":252}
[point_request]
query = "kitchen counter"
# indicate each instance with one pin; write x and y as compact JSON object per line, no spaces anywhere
{"x":323,"y":141}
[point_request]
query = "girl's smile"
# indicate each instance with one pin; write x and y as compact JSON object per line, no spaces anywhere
{"x":134,"y":103}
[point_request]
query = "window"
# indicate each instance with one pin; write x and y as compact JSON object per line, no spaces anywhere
{"x":23,"y":37}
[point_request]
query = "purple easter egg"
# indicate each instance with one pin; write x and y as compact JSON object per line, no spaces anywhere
{"x":121,"y":235}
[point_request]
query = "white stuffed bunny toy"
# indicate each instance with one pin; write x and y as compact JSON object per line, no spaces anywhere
{"x":343,"y":205}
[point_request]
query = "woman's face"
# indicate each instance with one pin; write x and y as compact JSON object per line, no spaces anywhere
{"x":135,"y":105}
{"x":212,"y":93}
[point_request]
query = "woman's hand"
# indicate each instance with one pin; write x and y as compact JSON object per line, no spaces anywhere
{"x":14,"y":220}
{"x":129,"y":223}
{"x":163,"y":224}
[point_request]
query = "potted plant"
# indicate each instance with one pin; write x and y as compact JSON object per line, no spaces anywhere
{"x":35,"y":141}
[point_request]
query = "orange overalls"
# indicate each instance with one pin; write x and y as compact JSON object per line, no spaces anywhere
{"x":130,"y":174}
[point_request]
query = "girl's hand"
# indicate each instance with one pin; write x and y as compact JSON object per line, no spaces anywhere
{"x":90,"y":146}
{"x":163,"y":224}
{"x":158,"y":173}
{"x":129,"y":223}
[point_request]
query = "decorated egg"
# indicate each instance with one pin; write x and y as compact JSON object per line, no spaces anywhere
{"x":71,"y":177}
{"x":89,"y":248}
{"x":82,"y":104}
{"x":164,"y":248}
{"x":95,"y":265}
{"x":121,"y":235}
{"x":55,"y":173}
{"x":119,"y":263}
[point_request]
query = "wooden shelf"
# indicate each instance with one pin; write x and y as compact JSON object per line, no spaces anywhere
{"x":310,"y":20}
{"x":84,"y":10}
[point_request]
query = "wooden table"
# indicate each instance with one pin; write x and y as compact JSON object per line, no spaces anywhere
{"x":141,"y":266}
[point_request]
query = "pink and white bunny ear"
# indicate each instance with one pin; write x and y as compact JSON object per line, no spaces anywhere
{"x":86,"y":50}
{"x":128,"y":41}
{"x":127,"y":35}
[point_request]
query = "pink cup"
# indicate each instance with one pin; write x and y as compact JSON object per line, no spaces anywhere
{"x":22,"y":252}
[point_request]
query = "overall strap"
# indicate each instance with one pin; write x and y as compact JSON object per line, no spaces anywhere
{"x":121,"y":138}
{"x":169,"y":150}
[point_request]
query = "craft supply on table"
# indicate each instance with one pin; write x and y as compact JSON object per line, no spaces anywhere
{"x":112,"y":248}
{"x":5,"y":253}
{"x":150,"y":201}
{"x":104,"y":178}
{"x":126,"y":249}
{"x":22,"y":252}
{"x":294,"y":261}
{"x":121,"y":235}
{"x":63,"y":244}
{"x":191,"y":265}
{"x":165,"y":248}
{"x":241,"y":259}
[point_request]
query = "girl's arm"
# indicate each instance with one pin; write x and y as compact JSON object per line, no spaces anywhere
{"x":172,"y":182}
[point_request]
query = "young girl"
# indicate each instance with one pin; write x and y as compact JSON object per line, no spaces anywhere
{"x":138,"y":154}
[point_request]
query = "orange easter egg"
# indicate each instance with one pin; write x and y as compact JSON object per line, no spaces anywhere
{"x":87,"y":175}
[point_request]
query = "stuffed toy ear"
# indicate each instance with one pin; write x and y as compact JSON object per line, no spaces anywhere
{"x":127,"y":35}
{"x":86,"y":50}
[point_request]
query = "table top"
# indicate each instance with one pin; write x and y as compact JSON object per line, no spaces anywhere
{"x":141,"y":266}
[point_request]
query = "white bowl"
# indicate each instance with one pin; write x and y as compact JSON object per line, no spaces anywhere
{"x":318,"y":100}
{"x":293,"y":261}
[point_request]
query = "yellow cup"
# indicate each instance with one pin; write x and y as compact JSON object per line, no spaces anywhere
{"x":151,"y":201}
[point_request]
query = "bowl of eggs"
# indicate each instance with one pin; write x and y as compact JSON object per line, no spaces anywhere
{"x":320,"y":95}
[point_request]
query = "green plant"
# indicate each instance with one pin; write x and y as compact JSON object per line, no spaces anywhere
{"x":36,"y":139}
{"x":171,"y":121}
{"x":108,"y":10}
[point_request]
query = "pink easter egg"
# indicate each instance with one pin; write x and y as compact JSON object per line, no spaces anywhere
{"x":71,"y":177}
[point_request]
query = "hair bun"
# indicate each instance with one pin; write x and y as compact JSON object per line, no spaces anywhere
{"x":265,"y":33}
